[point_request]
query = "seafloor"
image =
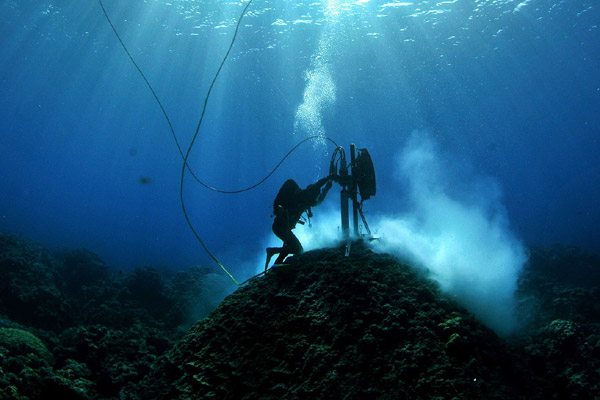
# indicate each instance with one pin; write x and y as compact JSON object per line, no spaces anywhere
{"x":367,"y":326}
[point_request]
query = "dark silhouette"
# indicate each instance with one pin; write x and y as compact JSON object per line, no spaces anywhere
{"x":289,"y":205}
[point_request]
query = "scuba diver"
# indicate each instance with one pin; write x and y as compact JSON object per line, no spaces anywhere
{"x":289,"y":205}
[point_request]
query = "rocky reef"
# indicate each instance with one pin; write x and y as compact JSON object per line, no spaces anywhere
{"x":560,"y":297}
{"x":325,"y":326}
{"x":72,"y":327}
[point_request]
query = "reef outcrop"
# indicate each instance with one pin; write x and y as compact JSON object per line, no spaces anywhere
{"x":328,"y":326}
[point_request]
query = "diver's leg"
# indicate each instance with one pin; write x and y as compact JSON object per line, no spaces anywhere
{"x":271,"y":251}
{"x":294,"y":245}
{"x":281,"y":257}
{"x":291,"y":245}
{"x":280,"y":230}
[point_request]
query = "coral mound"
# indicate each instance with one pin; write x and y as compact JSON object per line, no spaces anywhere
{"x":333,"y":327}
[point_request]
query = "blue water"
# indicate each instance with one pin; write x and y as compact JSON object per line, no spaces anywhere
{"x":508,"y":91}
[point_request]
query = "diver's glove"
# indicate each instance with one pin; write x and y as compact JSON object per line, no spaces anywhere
{"x":334,"y":177}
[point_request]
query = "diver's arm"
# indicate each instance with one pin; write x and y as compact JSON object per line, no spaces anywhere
{"x":321,"y":182}
{"x":323,"y":193}
{"x":312,"y":190}
{"x":311,"y":196}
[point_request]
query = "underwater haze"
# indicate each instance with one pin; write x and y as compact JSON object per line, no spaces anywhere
{"x":501,"y":98}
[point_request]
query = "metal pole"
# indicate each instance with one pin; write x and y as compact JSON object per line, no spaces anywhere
{"x":354,"y":190}
{"x":344,"y":182}
{"x":345,"y":219}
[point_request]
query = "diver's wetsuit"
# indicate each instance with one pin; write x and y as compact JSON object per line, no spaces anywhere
{"x":288,"y":212}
